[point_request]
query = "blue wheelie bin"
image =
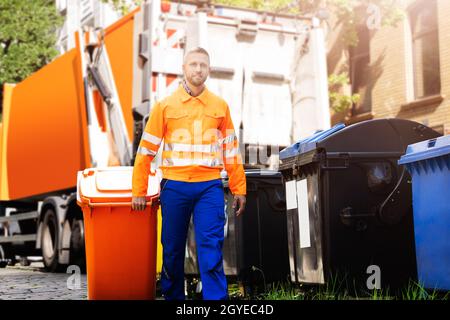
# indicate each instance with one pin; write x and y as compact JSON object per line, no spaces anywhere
{"x":429,"y":165}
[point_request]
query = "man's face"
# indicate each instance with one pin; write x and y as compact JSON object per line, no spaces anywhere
{"x":196,"y":68}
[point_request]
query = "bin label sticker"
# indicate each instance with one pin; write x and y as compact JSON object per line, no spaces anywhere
{"x":291,"y":195}
{"x":303,"y":214}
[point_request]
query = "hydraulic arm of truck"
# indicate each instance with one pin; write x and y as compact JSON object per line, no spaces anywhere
{"x":98,"y":75}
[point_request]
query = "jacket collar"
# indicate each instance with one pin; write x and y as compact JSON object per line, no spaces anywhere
{"x":203,"y":97}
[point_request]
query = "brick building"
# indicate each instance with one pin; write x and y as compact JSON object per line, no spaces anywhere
{"x":400,"y":71}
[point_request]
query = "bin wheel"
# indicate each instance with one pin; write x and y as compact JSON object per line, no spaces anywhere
{"x":77,"y":249}
{"x":24,"y":262}
{"x":193,"y":288}
{"x":49,"y":240}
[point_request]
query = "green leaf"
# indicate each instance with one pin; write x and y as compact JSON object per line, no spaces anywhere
{"x":27,"y":38}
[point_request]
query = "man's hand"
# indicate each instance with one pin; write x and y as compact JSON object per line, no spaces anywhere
{"x":138,"y":203}
{"x":239,"y":199}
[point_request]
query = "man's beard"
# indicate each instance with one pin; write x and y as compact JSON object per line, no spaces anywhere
{"x":196,"y":80}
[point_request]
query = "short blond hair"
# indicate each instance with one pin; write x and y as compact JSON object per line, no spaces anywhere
{"x":196,"y":50}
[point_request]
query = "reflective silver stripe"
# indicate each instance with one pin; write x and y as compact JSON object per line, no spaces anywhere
{"x":231,"y":152}
{"x":228,"y":139}
{"x":151,"y":138}
{"x":145,"y":152}
{"x":185,"y":147}
{"x":177,"y":162}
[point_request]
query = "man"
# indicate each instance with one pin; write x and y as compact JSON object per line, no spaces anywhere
{"x":199,"y":141}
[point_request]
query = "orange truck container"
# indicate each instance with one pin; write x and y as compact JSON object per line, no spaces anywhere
{"x":70,"y":115}
{"x":121,"y":244}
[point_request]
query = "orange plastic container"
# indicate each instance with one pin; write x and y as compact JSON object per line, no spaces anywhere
{"x":120,"y":243}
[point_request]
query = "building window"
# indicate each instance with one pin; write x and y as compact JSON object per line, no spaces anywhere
{"x":425,"y":45}
{"x":360,"y":71}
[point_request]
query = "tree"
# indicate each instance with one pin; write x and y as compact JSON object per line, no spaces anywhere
{"x":374,"y":13}
{"x":27,"y":38}
{"x":339,"y":101}
{"x":123,"y":6}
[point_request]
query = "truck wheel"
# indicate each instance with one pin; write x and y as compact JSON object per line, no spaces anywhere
{"x":49,"y":240}
{"x":6,"y":255}
{"x":77,"y":250}
{"x":3,"y":261}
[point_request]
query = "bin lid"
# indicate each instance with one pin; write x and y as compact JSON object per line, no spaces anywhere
{"x":266,"y":173}
{"x":428,"y":149}
{"x":110,"y":186}
{"x":382,"y":138}
{"x":309,"y":143}
{"x":258,"y":176}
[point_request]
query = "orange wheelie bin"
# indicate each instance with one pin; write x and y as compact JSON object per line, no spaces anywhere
{"x":120,"y":243}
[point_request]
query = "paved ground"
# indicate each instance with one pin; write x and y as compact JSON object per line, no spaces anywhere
{"x":32,"y":283}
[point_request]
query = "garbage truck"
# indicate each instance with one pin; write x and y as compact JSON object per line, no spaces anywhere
{"x":88,"y":107}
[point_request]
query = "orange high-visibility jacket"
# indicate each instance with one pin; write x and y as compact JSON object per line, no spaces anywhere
{"x":199,"y":141}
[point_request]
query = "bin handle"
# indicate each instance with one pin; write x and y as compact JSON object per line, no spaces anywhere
{"x":344,"y":157}
{"x":117,"y":204}
{"x":355,"y":220}
{"x":347,"y":213}
{"x":432,"y":143}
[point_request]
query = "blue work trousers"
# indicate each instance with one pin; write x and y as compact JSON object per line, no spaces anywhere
{"x":205,"y":200}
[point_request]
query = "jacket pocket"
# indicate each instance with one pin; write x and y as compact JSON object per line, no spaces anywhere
{"x":213,"y":117}
{"x":176,"y":113}
{"x":176,"y":118}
